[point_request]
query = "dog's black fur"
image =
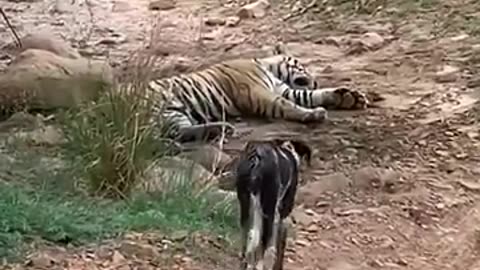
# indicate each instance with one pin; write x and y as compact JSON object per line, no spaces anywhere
{"x":269,"y":169}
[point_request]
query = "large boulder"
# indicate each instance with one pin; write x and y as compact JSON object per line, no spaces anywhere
{"x":41,"y":79}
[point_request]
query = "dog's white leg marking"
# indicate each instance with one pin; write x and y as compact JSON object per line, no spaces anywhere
{"x":256,"y":226}
{"x":259,"y":265}
{"x":271,"y":252}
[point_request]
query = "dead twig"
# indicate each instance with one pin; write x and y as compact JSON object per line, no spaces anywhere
{"x":17,"y":38}
{"x":302,"y":11}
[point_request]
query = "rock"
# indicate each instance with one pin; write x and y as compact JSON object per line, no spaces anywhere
{"x":342,"y":265}
{"x":257,"y":9}
{"x":232,"y":21}
{"x":337,"y":41}
{"x":115,"y":39}
{"x":226,"y":181}
{"x":372,"y":41}
{"x":179,"y":235}
{"x":121,"y":6}
{"x":299,"y":216}
{"x":215,"y":21}
{"x":169,"y":172}
{"x":302,"y":243}
{"x":447,"y":74}
{"x":310,"y":193}
{"x":469,"y":185}
{"x":366,"y":177}
{"x":372,"y":177}
{"x":460,"y":37}
{"x":162,"y":4}
{"x":60,"y":6}
{"x":45,"y":136}
{"x":117,"y":257}
{"x":40,"y":261}
{"x":43,"y":80}
{"x":209,"y":156}
{"x":139,"y":250}
{"x":21,"y":121}
{"x":43,"y":41}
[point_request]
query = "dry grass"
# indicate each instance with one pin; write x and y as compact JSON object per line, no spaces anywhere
{"x":113,"y":139}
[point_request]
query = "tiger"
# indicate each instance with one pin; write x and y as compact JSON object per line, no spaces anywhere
{"x":202,"y":104}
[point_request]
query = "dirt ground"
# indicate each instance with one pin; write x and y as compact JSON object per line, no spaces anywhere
{"x":391,"y":187}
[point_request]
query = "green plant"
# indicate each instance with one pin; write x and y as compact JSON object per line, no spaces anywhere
{"x":30,"y":214}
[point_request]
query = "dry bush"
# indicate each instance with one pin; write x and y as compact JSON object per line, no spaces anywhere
{"x":114,"y":139}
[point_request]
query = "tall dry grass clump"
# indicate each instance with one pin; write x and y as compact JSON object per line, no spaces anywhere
{"x":113,"y":140}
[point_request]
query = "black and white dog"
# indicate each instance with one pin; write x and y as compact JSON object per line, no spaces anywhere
{"x":266,"y":182}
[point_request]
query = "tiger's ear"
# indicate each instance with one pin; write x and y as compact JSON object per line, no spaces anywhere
{"x":303,"y":150}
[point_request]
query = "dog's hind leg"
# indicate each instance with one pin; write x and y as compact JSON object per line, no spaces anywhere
{"x":281,"y":245}
{"x":243,"y":258}
{"x":272,"y":248}
{"x":253,"y":234}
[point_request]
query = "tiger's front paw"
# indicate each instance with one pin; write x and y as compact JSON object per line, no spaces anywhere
{"x":348,"y":99}
{"x":318,"y":114}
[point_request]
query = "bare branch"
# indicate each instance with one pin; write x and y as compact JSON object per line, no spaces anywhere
{"x":17,"y":39}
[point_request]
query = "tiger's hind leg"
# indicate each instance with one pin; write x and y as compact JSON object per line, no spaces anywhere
{"x":268,"y":104}
{"x":205,"y":132}
{"x":178,"y":126}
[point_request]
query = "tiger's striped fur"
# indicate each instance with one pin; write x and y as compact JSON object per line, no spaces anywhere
{"x":201,"y":104}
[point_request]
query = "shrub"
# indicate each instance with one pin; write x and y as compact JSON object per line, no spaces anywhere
{"x":113,"y":140}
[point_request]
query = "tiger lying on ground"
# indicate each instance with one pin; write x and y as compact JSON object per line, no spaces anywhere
{"x":201,"y":104}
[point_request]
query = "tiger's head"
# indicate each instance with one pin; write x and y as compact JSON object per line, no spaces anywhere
{"x":290,"y":71}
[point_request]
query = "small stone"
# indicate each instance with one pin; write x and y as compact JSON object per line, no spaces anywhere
{"x":121,"y":6}
{"x":469,"y":185}
{"x":342,"y":265}
{"x":332,"y":40}
{"x":302,"y":243}
{"x":447,"y":74}
{"x":117,"y":257}
{"x":113,"y":40}
{"x":312,"y":191}
{"x":186,"y":260}
{"x":179,"y":235}
{"x":368,"y":177}
{"x":300,"y":217}
{"x":41,"y":261}
{"x":348,"y":212}
{"x":313,"y":228}
{"x":232,"y":21}
{"x":461,"y":37}
{"x":215,"y":21}
{"x":372,"y":40}
{"x":256,"y":9}
{"x":141,"y":251}
{"x":162,"y":5}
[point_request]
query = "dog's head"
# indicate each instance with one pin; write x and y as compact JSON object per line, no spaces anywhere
{"x":300,"y":147}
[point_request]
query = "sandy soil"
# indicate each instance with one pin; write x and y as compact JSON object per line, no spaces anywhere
{"x":391,"y":187}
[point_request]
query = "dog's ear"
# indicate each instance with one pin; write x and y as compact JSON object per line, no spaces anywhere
{"x":303,"y":150}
